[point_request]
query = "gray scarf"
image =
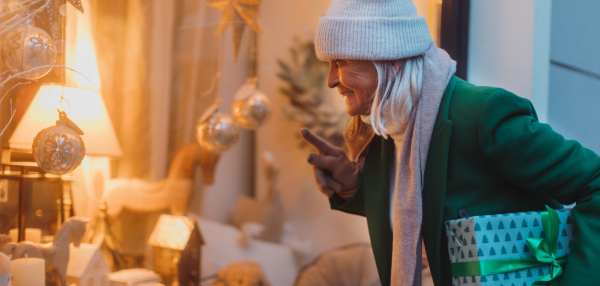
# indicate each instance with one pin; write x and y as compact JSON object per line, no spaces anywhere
{"x":438,"y":68}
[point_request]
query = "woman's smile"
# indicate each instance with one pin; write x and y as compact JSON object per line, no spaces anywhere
{"x":346,"y":94}
{"x":356,"y":81}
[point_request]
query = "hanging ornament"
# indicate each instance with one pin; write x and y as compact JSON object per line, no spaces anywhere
{"x":251,"y":107}
{"x":239,"y":13}
{"x":29,"y":48}
{"x":217,"y":131}
{"x":59,"y":149}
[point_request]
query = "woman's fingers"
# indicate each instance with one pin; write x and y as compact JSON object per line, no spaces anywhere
{"x":321,"y":145}
{"x":323,"y":161}
{"x":326,"y":184}
{"x":321,"y":180}
{"x":328,"y":192}
{"x":333,"y":184}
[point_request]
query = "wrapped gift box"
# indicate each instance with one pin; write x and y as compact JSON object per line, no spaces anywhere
{"x":493,"y":237}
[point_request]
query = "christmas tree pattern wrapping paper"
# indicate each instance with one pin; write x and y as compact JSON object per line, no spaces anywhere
{"x":504,"y":236}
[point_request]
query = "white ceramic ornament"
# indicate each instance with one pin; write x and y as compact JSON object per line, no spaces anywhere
{"x":217,"y":133}
{"x":251,"y":107}
{"x":28,"y":48}
{"x":59,"y":149}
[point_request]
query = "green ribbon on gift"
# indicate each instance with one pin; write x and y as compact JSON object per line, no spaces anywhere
{"x":545,"y":254}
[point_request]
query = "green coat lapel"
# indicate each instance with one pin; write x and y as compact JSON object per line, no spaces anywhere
{"x":376,"y":187}
{"x":434,"y":188}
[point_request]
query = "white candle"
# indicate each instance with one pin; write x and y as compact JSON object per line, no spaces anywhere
{"x":33,"y":234}
{"x":28,"y":272}
{"x":14,"y":234}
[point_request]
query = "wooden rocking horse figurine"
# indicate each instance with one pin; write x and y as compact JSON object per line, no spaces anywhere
{"x":55,"y":253}
{"x":172,"y":193}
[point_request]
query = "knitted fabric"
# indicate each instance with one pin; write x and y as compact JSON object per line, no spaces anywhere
{"x":371,"y":30}
{"x":438,"y":68}
{"x":408,"y":203}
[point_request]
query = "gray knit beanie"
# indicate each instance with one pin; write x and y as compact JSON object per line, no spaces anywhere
{"x":371,"y":30}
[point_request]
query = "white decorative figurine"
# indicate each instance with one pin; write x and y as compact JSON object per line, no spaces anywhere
{"x":87,"y":266}
{"x":173,"y":193}
{"x":5,"y":270}
{"x":56,"y":253}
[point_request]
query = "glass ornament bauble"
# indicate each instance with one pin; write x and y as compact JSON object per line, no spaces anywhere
{"x":27,"y":49}
{"x":217,"y":133}
{"x":252,"y":111}
{"x":59,"y":149}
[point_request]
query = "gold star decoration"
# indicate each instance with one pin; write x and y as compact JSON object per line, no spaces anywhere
{"x":239,"y":13}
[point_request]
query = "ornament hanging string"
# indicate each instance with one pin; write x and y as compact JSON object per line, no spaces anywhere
{"x":217,"y":75}
{"x":62,"y":97}
{"x":192,"y":98}
{"x":253,"y":54}
{"x":13,"y":111}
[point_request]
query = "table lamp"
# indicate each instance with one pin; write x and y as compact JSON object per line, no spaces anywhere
{"x":85,"y":108}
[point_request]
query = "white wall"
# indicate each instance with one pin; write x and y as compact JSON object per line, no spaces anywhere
{"x":232,"y":174}
{"x":574,"y":97}
{"x":432,"y":10}
{"x":305,"y":207}
{"x":509,"y":47}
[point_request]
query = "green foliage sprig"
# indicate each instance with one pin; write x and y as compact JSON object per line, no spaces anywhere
{"x":305,"y":81}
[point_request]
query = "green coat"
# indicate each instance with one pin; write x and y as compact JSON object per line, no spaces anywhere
{"x":489,"y":155}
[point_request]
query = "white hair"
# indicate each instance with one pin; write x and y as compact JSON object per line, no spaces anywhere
{"x":398,"y":90}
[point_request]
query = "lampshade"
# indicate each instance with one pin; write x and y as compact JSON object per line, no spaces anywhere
{"x":83,"y":106}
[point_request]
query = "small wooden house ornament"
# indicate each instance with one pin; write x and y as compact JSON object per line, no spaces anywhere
{"x":87,"y":266}
{"x":176,"y":243}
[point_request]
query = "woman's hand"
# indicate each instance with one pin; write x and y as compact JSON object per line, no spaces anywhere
{"x":333,"y":171}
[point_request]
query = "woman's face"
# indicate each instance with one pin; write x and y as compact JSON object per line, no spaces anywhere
{"x":357,"y":81}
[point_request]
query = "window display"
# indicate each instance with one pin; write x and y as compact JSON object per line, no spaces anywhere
{"x":190,"y":142}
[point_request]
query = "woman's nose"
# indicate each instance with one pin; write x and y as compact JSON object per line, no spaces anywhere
{"x":332,"y":78}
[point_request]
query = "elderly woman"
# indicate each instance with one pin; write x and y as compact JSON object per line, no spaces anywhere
{"x":428,"y":147}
